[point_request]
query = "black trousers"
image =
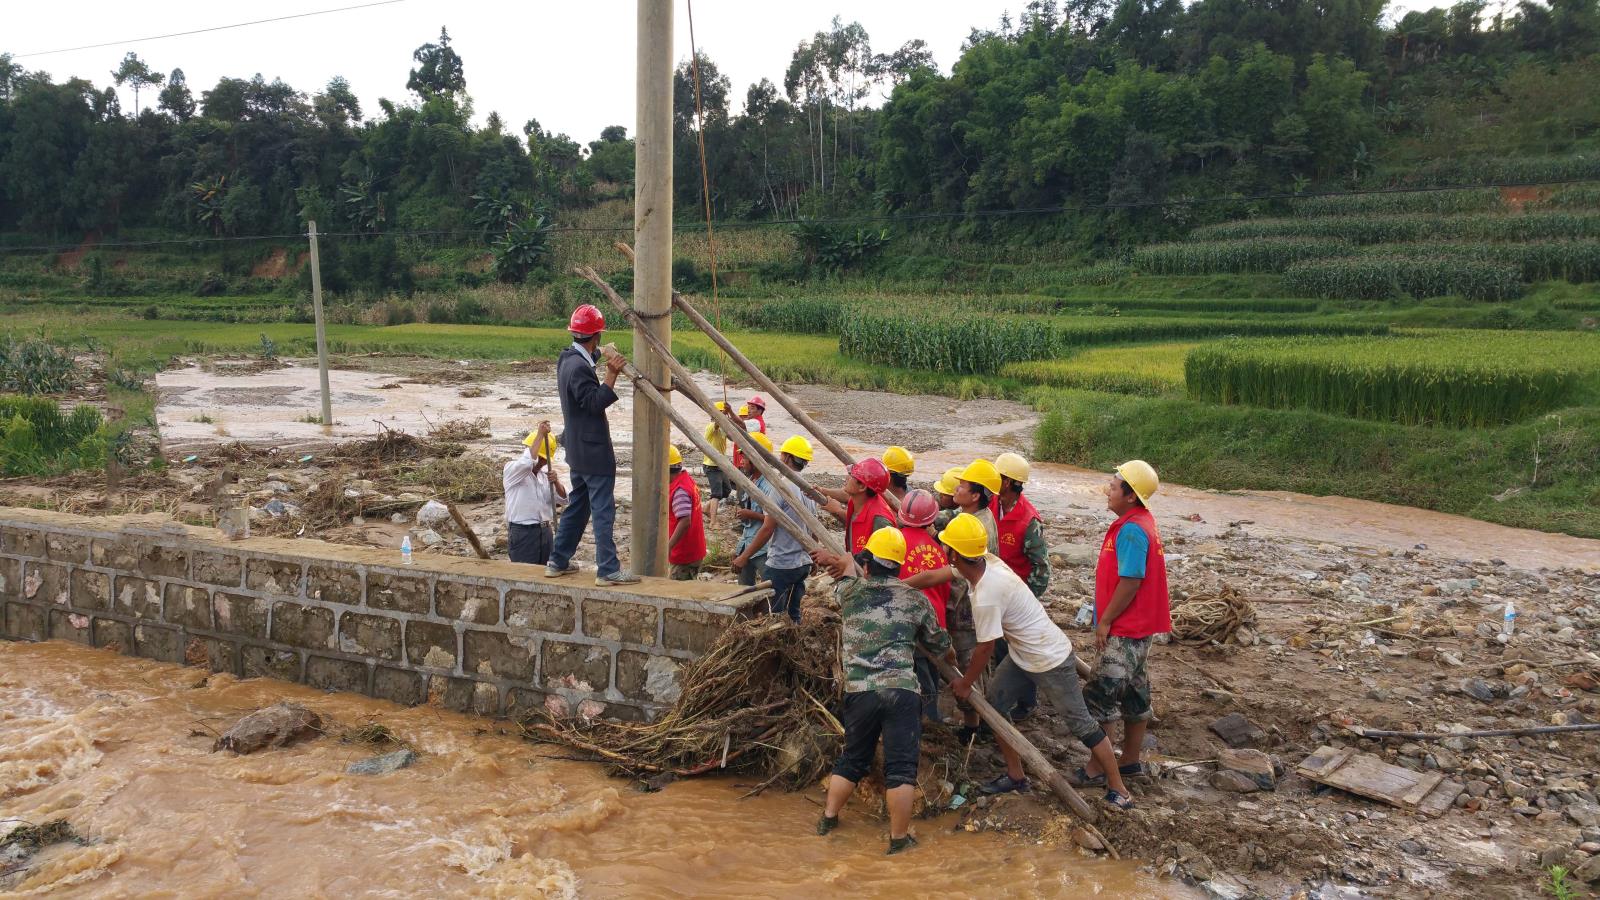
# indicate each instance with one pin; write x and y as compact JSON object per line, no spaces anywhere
{"x":530,"y":543}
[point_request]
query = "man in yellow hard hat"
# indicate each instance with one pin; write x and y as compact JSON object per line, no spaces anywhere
{"x":1041,"y":655}
{"x":976,"y":487}
{"x":532,"y":492}
{"x":716,"y":479}
{"x":686,"y":541}
{"x":944,"y":491}
{"x":1131,"y":605}
{"x":788,"y":563}
{"x":899,"y":462}
{"x":1021,"y":529}
{"x":883,"y":622}
{"x":751,"y":517}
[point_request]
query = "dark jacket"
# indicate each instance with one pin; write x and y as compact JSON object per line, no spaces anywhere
{"x":585,"y":434}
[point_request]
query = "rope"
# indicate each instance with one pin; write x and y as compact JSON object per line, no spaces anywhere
{"x":705,"y":196}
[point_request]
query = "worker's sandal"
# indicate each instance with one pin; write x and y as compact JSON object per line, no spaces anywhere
{"x":897,"y":844}
{"x":1005,"y":784}
{"x":1119,"y":800}
{"x":827,"y":824}
{"x":1080,"y":777}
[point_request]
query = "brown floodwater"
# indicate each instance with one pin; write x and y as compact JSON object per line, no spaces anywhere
{"x":121,"y":749}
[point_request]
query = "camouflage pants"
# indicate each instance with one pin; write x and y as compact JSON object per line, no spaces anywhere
{"x":1120,"y":687}
{"x":685,"y":571}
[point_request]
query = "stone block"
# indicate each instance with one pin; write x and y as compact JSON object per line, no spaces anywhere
{"x":24,"y":542}
{"x":330,"y":674}
{"x":468,"y":602}
{"x":113,"y":635}
{"x":137,"y":597}
{"x":540,"y":611}
{"x":626,"y":712}
{"x":272,"y":576}
{"x":66,"y":548}
{"x":334,"y":583}
{"x":217,"y":569}
{"x":647,"y":678}
{"x":496,"y":655}
{"x":10,"y":579}
{"x":613,"y":620}
{"x":265,"y":662}
{"x":397,"y":686}
{"x":158,"y":642}
{"x":581,"y":667}
{"x":91,"y":590}
{"x":45,"y":583}
{"x":186,"y":606}
{"x":450,"y":693}
{"x":431,"y":644}
{"x":121,"y":554}
{"x":404,"y":593}
{"x":24,"y":622}
{"x":1252,"y":764}
{"x":164,"y":562}
{"x":693,"y":630}
{"x":69,"y":626}
{"x":486,"y":699}
{"x":310,"y":627}
{"x":521,"y":702}
{"x":238,"y":614}
{"x":219,"y":655}
{"x":370,"y":636}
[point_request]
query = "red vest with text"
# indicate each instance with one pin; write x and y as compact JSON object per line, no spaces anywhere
{"x":858,"y":522}
{"x":1149,"y":612}
{"x":924,"y":554}
{"x":692,"y":548}
{"x":761,"y":422}
{"x":1012,"y":526}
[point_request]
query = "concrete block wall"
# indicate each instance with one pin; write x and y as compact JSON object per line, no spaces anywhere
{"x":489,"y":637}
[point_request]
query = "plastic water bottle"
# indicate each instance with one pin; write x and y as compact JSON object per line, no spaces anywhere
{"x":1085,"y":616}
{"x":405,"y":551}
{"x":1508,"y":623}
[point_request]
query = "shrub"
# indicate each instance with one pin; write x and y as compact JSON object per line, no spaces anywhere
{"x":1256,"y":255}
{"x":1388,"y":277}
{"x":35,"y":367}
{"x":36,"y":439}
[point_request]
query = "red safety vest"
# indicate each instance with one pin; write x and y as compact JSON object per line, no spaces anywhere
{"x":924,"y":554}
{"x":1012,"y":527}
{"x":692,"y":548}
{"x":1149,"y":613}
{"x":762,"y":422}
{"x":859,"y":522}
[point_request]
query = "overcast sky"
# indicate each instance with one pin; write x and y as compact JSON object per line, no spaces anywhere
{"x":567,"y":64}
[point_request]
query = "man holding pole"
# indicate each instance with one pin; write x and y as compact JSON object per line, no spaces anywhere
{"x":901,"y":464}
{"x":686,"y":530}
{"x":788,"y":563}
{"x":751,"y":516}
{"x":860,"y":506}
{"x":1022,"y":543}
{"x":586,"y":436}
{"x":715,"y":479}
{"x":531,"y":488}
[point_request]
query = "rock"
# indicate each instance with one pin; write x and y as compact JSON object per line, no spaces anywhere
{"x":1430,"y":590}
{"x":429,"y":538}
{"x":1252,"y":764}
{"x":1477,"y":788}
{"x":1412,"y":848}
{"x":1514,"y":789}
{"x":382,"y":764}
{"x":1590,"y":847}
{"x":1083,"y":838}
{"x":1226,"y":887}
{"x":1478,"y":689}
{"x":1458,"y":585}
{"x":1554,"y":856}
{"x":1233,"y":782}
{"x":1589,"y":872}
{"x":398,"y":518}
{"x":432,"y":513}
{"x":1075,"y":554}
{"x":277,"y":487}
{"x":1584,"y":815}
{"x":1413,"y":750}
{"x":274,"y":726}
{"x":1583,"y":681}
{"x":1236,"y":731}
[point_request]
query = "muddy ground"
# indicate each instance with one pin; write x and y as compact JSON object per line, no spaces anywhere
{"x":1364,"y":615}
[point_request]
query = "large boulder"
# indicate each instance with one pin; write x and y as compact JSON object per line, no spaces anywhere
{"x":274,"y":726}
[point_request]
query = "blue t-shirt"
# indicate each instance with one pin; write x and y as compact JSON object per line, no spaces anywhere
{"x":1133,"y":547}
{"x":749,"y":527}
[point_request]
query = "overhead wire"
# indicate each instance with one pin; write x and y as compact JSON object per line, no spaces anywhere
{"x":705,"y":195}
{"x":161,"y":37}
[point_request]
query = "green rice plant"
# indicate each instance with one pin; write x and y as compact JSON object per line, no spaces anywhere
{"x":1388,"y":277}
{"x":1448,"y":378}
{"x":1090,"y":331}
{"x":1255,"y":255}
{"x":1401,"y":228}
{"x":1574,"y":261}
{"x":1143,"y":369}
{"x":1386,"y":203}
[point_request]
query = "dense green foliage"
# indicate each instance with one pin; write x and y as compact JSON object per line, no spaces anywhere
{"x":37,"y":439}
{"x":1388,"y":277}
{"x":1420,"y":227}
{"x":1253,"y":255}
{"x":1454,"y":379}
{"x":1437,"y":202}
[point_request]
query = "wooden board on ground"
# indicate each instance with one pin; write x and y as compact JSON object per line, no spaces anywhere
{"x":1429,"y":793}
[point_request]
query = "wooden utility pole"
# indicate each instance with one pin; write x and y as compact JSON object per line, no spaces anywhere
{"x":322,"y":327}
{"x":652,"y":277}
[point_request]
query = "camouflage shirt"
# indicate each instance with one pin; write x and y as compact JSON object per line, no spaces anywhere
{"x":884,"y":620}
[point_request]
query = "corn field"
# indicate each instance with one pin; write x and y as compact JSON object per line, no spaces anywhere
{"x":1255,"y":255}
{"x":1388,"y":277}
{"x":1508,"y":170}
{"x":1405,"y":228}
{"x":1574,"y":261}
{"x":963,"y":345}
{"x":1454,"y":379}
{"x":1578,"y":196}
{"x":1388,"y":204}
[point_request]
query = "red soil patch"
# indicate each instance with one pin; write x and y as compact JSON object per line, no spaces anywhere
{"x":1517,"y":197}
{"x":74,"y":258}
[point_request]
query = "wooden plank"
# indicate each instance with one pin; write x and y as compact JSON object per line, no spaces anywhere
{"x":1368,"y":776}
{"x":1324,"y":761}
{"x":1441,"y":799}
{"x":1425,"y":785}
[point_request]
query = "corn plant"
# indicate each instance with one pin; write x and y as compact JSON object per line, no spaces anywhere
{"x":35,"y":366}
{"x":1388,"y":277}
{"x":1403,"y":228}
{"x":1393,"y":202}
{"x":959,"y":344}
{"x":1575,"y":261}
{"x":1508,"y":170}
{"x":1256,"y":255}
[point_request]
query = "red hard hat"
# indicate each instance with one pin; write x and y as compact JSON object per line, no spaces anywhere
{"x":756,"y":401}
{"x":918,"y":509}
{"x":586,"y":320}
{"x":871,"y":473}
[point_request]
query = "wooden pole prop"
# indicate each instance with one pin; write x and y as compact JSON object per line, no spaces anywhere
{"x":466,"y":530}
{"x":760,"y":378}
{"x":322,"y":328}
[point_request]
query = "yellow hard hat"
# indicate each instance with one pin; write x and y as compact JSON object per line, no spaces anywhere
{"x":797,"y":447}
{"x":889,"y":544}
{"x":761,"y":439}
{"x":545,"y":452}
{"x":1012,"y":466}
{"x":946,"y":484}
{"x":674,"y":458}
{"x":966,"y":536}
{"x":1140,"y":476}
{"x":983,"y":472}
{"x":722,"y":405}
{"x":899,"y":461}
{"x":744,"y":410}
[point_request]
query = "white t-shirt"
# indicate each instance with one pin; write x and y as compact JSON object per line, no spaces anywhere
{"x":1002,"y":606}
{"x":530,"y":498}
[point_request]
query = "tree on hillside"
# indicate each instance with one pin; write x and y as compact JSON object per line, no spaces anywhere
{"x":137,"y":73}
{"x":440,"y":73}
{"x":10,"y":73}
{"x":175,"y":99}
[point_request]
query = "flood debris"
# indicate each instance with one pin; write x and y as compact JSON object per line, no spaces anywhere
{"x":26,"y":839}
{"x":275,"y":726}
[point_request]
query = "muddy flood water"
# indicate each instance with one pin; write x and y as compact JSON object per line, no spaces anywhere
{"x":121,"y":749}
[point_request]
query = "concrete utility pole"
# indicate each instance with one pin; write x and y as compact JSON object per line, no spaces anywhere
{"x":652,"y":277}
{"x":322,"y":327}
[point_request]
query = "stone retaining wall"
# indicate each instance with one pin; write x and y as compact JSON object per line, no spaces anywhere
{"x":490,"y":637}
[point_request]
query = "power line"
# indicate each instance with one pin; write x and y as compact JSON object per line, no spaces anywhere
{"x":159,"y":37}
{"x":843,"y":220}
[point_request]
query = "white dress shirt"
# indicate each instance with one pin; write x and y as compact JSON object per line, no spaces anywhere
{"x":530,"y":497}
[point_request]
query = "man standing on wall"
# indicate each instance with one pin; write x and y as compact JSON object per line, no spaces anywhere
{"x":586,"y":436}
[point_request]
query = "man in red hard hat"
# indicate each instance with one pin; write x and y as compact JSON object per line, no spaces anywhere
{"x":860,"y":506}
{"x":586,"y":436}
{"x":758,"y":412}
